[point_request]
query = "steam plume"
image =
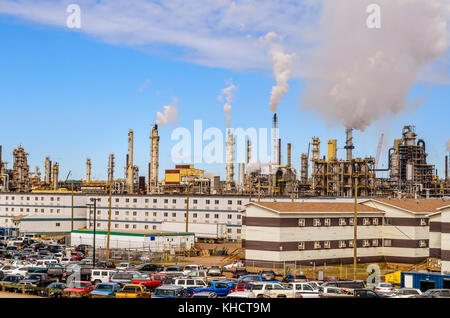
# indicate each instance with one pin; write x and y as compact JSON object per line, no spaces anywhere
{"x":282,"y":69}
{"x":170,"y":114}
{"x":364,"y":74}
{"x":227,"y":91}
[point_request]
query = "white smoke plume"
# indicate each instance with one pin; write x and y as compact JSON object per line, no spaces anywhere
{"x":170,"y":114}
{"x":227,"y":91}
{"x":447,"y":145}
{"x":282,"y":69}
{"x":365,"y":74}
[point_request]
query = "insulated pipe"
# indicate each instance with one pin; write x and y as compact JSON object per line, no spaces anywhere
{"x":389,"y":161}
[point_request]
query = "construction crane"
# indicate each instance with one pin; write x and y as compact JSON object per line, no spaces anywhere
{"x":380,"y":145}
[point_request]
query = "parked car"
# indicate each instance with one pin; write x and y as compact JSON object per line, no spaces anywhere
{"x":173,"y":271}
{"x":192,"y":267}
{"x":294,"y":278}
{"x":37,"y":280}
{"x":54,"y":290}
{"x":268,"y":275}
{"x":405,"y":293}
{"x":254,"y":278}
{"x":350,"y":284}
{"x":241,"y":294}
{"x":20,"y":270}
{"x":270,"y":290}
{"x":435,"y":293}
{"x":77,"y":255}
{"x":12,"y":279}
{"x":217,"y":287}
{"x":123,"y":278}
{"x":238,"y":272}
{"x":205,"y":295}
{"x":356,"y":293}
{"x":133,"y":291}
{"x":124,"y":266}
{"x":105,"y":264}
{"x":214,"y":271}
{"x":101,"y":276}
{"x":187,"y":283}
{"x":151,"y":281}
{"x":149,"y":268}
{"x":86,"y":261}
{"x":303,"y":290}
{"x":81,"y":287}
{"x":385,"y":288}
{"x":106,"y":289}
{"x":238,"y":287}
{"x":169,"y":291}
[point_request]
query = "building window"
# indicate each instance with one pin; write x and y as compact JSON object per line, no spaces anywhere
{"x":317,"y":245}
{"x":195,"y":201}
{"x":216,"y":201}
{"x":327,"y":222}
{"x":155,"y":200}
{"x":366,"y":243}
{"x":387,"y":243}
{"x":117,"y":200}
{"x":239,"y":202}
{"x":207,"y":201}
{"x":342,"y":222}
{"x":238,"y":216}
{"x":342,"y":244}
{"x":301,"y":245}
{"x":174,"y":201}
{"x":387,"y":221}
{"x":58,"y":224}
{"x":116,"y":225}
{"x":98,"y":224}
{"x":317,"y":222}
{"x":216,"y":216}
{"x":238,"y":231}
{"x":350,"y":243}
{"x":166,"y":200}
{"x":134,"y":200}
{"x":375,"y":221}
{"x":230,"y":202}
{"x":374,"y":242}
{"x":366,"y":221}
{"x":230,"y":216}
{"x":301,"y":222}
{"x":351,"y":221}
{"x":154,"y":213}
{"x":134,"y":213}
{"x":127,"y":226}
{"x":166,"y":214}
{"x":327,"y":244}
{"x":127,"y":200}
{"x":422,"y":243}
{"x":146,"y":213}
{"x":423,"y":222}
{"x":146,"y":227}
{"x":229,"y":231}
{"x":174,"y":215}
{"x":117,"y":212}
{"x":194,"y":215}
{"x":207,"y":215}
{"x":134,"y":226}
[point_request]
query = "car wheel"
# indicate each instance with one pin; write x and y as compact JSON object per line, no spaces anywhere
{"x":260,"y":296}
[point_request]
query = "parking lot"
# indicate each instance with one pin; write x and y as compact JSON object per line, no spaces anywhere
{"x":32,"y":267}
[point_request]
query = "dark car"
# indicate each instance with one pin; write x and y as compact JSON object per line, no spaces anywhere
{"x":149,"y":268}
{"x":238,"y":272}
{"x":267,"y":275}
{"x":53,"y":290}
{"x":12,"y":279}
{"x":435,"y":293}
{"x":105,"y":264}
{"x":351,"y":284}
{"x":54,"y":248}
{"x":294,"y":278}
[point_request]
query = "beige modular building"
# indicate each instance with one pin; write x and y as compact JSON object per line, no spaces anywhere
{"x":440,"y":236}
{"x":317,"y":233}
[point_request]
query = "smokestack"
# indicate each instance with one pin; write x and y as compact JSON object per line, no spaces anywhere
{"x":349,"y":143}
{"x":446,"y":168}
{"x":111,"y":168}
{"x":249,"y":151}
{"x":154,"y":160}
{"x":241,"y":173}
{"x":289,"y":155}
{"x":48,"y":171}
{"x":130,"y":168}
{"x":279,"y":151}
{"x":55,"y":176}
{"x":88,"y":170}
{"x":275,"y":150}
{"x":1,"y":162}
{"x":229,"y":160}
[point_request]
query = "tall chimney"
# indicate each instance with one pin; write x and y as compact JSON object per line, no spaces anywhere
{"x":446,"y":168}
{"x":304,"y":169}
{"x":154,"y":160}
{"x":1,"y":162}
{"x":275,"y":142}
{"x":289,"y":155}
{"x":249,"y":150}
{"x":279,"y":151}
{"x":111,"y":168}
{"x":229,"y":160}
{"x":88,"y":170}
{"x":349,"y":143}
{"x":130,"y":168}
{"x":48,"y":171}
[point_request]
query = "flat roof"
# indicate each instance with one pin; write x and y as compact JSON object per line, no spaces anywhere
{"x":134,"y":233}
{"x":415,"y":205}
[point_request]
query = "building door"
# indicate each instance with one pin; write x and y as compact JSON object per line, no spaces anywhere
{"x":425,"y":285}
{"x":446,"y":283}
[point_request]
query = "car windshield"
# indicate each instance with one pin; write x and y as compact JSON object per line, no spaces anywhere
{"x":34,"y":277}
{"x":384,"y":285}
{"x":164,"y":292}
{"x":105,"y":287}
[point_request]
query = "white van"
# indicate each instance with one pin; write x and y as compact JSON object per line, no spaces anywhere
{"x":192,"y":267}
{"x":101,"y":276}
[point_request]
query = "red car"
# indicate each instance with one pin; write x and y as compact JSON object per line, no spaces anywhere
{"x":80,"y":287}
{"x":151,"y":281}
{"x":238,"y":287}
{"x":77,"y":256}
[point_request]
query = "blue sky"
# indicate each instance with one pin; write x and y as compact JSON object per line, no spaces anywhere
{"x":71,"y":95}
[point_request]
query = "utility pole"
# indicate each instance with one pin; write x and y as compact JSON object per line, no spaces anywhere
{"x":187,"y":205}
{"x":72,"y":206}
{"x":109,"y":221}
{"x":95,"y":224}
{"x":355,"y":229}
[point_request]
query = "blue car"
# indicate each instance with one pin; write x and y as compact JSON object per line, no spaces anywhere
{"x":169,"y":291}
{"x":254,"y":278}
{"x":106,"y":289}
{"x":217,"y":287}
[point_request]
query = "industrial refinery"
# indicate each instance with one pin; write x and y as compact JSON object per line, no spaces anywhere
{"x":410,"y":175}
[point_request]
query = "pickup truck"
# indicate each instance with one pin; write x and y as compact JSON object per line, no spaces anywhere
{"x":150,"y":281}
{"x":220,"y":288}
{"x":270,"y":290}
{"x":348,"y":293}
{"x":37,"y":279}
{"x":202,"y":274}
{"x":133,"y":291}
{"x":82,"y":288}
{"x":303,"y":290}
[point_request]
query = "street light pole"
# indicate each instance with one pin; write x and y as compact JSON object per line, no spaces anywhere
{"x":95,"y":227}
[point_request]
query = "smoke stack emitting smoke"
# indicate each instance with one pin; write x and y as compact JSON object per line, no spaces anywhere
{"x":364,"y":74}
{"x":228,"y":98}
{"x":282,"y":69}
{"x":170,"y":114}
